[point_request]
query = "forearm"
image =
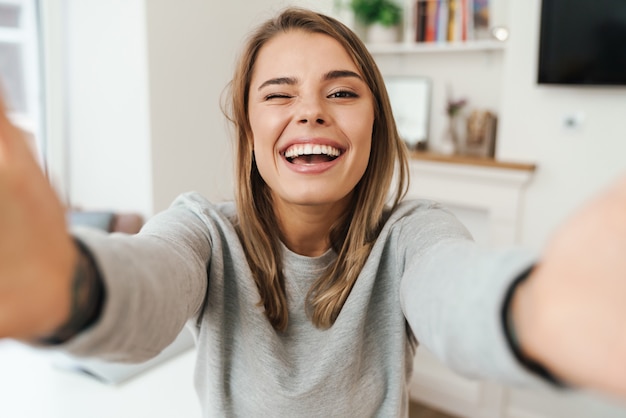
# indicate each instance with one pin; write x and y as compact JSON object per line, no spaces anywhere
{"x":453,"y":302}
{"x":154,"y":281}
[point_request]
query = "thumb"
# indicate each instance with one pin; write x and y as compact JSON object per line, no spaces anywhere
{"x":16,"y":145}
{"x":8,"y":133}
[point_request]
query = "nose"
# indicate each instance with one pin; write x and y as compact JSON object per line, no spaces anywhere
{"x":312,"y":111}
{"x":318,"y":121}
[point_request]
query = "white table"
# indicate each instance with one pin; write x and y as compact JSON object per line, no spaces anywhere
{"x":32,"y":387}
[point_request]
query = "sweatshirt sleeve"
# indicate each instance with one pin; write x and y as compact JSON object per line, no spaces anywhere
{"x":154,"y":282}
{"x":452,"y":294}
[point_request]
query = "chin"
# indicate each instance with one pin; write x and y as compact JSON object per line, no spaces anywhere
{"x":315,"y":198}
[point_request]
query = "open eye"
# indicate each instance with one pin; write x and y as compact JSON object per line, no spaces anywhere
{"x":343,"y":94}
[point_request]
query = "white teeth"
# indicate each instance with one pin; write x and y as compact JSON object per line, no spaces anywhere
{"x":311,"y":149}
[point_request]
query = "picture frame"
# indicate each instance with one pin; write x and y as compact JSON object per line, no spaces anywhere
{"x":410,"y":98}
{"x":480,"y":136}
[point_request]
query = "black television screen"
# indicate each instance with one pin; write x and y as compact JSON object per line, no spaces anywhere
{"x":583,"y":42}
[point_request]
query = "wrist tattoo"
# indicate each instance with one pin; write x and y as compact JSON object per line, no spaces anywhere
{"x":87,"y":299}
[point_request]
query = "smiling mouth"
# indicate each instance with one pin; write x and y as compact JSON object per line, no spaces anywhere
{"x":311,"y":154}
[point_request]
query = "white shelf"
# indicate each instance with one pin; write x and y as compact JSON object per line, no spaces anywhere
{"x":436,"y":47}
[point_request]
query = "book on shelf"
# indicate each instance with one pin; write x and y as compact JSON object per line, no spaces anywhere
{"x":420,"y":21}
{"x":450,"y":20}
{"x":481,"y":19}
{"x":442,"y":21}
{"x":431,"y":16}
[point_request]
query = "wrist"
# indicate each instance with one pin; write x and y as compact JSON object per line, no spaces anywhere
{"x":86,"y":301}
{"x":515,"y":320}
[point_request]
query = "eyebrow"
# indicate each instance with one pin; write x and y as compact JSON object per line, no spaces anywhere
{"x":279,"y":81}
{"x":331,"y":75}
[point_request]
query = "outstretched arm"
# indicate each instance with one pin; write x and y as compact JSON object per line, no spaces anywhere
{"x":570,"y":313}
{"x":37,"y":255}
{"x":52,"y":286}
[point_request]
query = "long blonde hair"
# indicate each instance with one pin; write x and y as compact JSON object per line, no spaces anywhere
{"x":354,"y":234}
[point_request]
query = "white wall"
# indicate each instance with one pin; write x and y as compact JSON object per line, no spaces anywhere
{"x":106,"y":105}
{"x":572,"y":164}
{"x":191,"y":47}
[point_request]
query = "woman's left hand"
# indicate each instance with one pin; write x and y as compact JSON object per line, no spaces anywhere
{"x":570,"y":314}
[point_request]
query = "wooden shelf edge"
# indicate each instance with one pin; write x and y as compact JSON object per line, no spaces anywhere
{"x":473,"y":161}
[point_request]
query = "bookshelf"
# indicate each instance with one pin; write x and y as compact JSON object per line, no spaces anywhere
{"x":428,"y":27}
{"x":469,"y":67}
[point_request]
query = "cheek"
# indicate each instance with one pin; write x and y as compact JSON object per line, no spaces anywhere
{"x":263,"y":165}
{"x":362,"y":134}
{"x":361,"y":122}
{"x":255,"y":130}
{"x":363,"y":142}
{"x":263,"y":143}
{"x":265,"y":128}
{"x":264,"y":156}
{"x":259,"y":140}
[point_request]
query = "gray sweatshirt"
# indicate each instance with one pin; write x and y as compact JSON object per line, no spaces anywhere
{"x":425,"y":281}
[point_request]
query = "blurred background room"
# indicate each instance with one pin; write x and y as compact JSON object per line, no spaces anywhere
{"x":123,"y":101}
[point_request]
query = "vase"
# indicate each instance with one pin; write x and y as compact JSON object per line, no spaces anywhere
{"x":379,"y":34}
{"x":451,"y":139}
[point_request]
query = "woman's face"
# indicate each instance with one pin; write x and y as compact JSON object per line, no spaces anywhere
{"x":312,"y":116}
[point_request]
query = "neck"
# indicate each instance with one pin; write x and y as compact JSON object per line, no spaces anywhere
{"x":306,"y":229}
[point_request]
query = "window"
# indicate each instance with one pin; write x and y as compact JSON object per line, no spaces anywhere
{"x":19,"y":66}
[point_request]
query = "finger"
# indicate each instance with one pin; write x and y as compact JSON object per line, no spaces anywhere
{"x":3,"y":107}
{"x":15,"y":150}
{"x":6,"y":132}
{"x":9,"y":133}
{"x":15,"y":145}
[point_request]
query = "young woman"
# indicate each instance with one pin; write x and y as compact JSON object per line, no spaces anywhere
{"x":309,"y":294}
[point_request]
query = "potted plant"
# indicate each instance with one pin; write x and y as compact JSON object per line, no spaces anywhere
{"x":380,"y":17}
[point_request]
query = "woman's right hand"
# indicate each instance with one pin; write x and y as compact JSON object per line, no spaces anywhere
{"x":37,"y":255}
